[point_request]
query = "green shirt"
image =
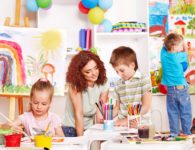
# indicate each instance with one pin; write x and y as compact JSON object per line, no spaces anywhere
{"x":89,"y":98}
{"x":131,"y":91}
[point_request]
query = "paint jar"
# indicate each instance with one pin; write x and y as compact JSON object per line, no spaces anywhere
{"x":143,"y":131}
{"x":134,"y":121}
{"x":2,"y":133}
{"x":108,"y":125}
{"x":151,"y":131}
{"x":43,"y":141}
{"x":12,"y":140}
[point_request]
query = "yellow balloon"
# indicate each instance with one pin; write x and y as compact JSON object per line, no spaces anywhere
{"x":96,"y":15}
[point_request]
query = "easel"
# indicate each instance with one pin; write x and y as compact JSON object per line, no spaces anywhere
{"x":12,"y":103}
{"x":12,"y":97}
{"x":17,"y":17}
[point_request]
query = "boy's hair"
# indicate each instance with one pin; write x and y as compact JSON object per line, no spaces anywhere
{"x":41,"y":85}
{"x":123,"y":55}
{"x":171,"y":40}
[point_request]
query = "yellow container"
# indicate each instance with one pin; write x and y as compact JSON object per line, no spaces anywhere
{"x":43,"y":141}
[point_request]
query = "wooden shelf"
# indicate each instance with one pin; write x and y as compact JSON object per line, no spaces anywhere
{"x":133,"y":35}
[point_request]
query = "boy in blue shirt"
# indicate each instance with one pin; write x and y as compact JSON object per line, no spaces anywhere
{"x":178,"y":98}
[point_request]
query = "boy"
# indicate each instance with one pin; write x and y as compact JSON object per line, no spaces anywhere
{"x":133,"y":87}
{"x":178,"y":98}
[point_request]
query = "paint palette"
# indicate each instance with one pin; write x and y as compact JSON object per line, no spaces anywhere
{"x":55,"y":140}
{"x":60,"y":140}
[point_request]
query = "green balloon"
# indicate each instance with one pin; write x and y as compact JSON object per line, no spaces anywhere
{"x":96,"y":15}
{"x":44,"y":3}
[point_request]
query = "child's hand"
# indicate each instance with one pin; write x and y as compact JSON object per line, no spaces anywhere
{"x":17,"y":129}
{"x":121,"y":122}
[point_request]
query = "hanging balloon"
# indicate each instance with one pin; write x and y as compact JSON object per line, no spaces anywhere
{"x":107,"y":25}
{"x":44,"y":3}
{"x":48,"y":7}
{"x":82,"y":8}
{"x":105,"y":4}
{"x":90,"y":3}
{"x":96,"y":15}
{"x":32,"y":5}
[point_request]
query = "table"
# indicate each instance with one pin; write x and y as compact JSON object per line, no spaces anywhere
{"x":70,"y":143}
{"x":112,"y":140}
{"x":177,"y":145}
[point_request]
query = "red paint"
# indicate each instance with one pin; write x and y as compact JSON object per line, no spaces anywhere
{"x":13,"y":140}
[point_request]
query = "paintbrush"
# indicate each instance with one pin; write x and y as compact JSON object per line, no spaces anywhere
{"x":28,"y":148}
{"x":15,"y":125}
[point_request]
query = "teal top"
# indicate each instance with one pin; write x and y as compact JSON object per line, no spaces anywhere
{"x":89,"y":98}
{"x":172,"y":69}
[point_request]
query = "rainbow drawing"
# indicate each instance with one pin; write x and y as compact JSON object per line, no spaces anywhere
{"x":12,"y":68}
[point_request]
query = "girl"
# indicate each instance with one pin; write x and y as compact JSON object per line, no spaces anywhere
{"x":38,"y":118}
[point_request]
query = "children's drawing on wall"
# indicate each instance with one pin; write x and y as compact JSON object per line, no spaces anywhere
{"x":155,"y":45}
{"x":29,"y":54}
{"x":182,"y":20}
{"x":158,"y":18}
{"x":190,"y":73}
{"x":182,"y":7}
{"x":183,"y":24}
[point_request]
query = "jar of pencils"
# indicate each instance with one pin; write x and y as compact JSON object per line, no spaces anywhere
{"x":108,"y":117}
{"x":134,"y":121}
{"x":134,"y":117}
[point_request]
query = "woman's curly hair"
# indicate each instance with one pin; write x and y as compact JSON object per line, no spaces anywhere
{"x":74,"y":75}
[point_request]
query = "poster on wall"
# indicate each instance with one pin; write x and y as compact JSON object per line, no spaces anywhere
{"x":182,"y":20}
{"x":166,"y":16}
{"x":158,"y":18}
{"x":27,"y":54}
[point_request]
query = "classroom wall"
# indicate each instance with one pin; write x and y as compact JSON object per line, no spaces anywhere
{"x":7,"y":8}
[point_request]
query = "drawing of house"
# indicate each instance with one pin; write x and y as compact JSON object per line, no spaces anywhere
{"x":180,"y":27}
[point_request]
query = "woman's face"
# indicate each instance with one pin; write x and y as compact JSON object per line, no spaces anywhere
{"x":90,"y":71}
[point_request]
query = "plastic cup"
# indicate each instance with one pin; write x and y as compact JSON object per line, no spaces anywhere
{"x":108,"y":125}
{"x":43,"y":141}
{"x":151,"y":131}
{"x":12,"y":140}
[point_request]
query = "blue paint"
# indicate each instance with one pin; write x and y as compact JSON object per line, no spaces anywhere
{"x":5,"y":35}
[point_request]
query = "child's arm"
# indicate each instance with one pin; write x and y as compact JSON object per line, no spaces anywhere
{"x":116,"y":108}
{"x":16,"y":126}
{"x":121,"y":122}
{"x":146,"y":102}
{"x":59,"y":132}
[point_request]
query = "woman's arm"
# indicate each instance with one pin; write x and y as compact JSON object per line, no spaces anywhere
{"x":146,"y":102}
{"x":78,"y":110}
{"x":59,"y":132}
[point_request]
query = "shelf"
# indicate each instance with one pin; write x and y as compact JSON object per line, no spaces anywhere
{"x":134,"y":35}
{"x":71,"y":54}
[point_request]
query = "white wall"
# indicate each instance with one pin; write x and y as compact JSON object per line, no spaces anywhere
{"x":7,"y":8}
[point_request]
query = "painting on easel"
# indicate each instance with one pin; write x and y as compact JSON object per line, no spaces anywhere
{"x":27,"y":54}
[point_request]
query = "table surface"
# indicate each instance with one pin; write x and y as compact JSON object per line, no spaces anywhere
{"x":70,"y":143}
{"x":176,"y":145}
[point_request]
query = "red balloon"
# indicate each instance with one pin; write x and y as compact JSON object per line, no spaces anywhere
{"x":83,"y":9}
{"x":162,"y":88}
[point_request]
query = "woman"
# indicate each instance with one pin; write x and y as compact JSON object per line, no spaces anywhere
{"x":87,"y":81}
